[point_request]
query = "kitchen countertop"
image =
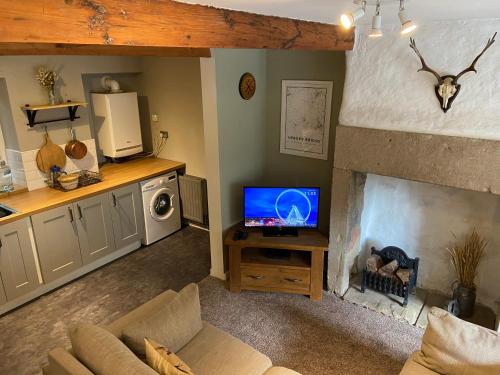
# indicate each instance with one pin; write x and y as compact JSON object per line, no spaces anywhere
{"x":113,"y":175}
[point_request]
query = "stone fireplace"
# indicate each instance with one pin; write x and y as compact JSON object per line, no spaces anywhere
{"x":427,"y":175}
{"x":456,"y":163}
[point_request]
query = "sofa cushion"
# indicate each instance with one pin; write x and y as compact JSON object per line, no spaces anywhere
{"x":215,"y":352}
{"x":454,"y":347}
{"x":280,"y":371}
{"x":163,"y":361}
{"x":103,"y":353}
{"x":411,"y":367}
{"x":141,"y":312}
{"x":173,"y":325}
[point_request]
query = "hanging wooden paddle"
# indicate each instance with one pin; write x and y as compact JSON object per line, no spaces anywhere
{"x":50,"y":155}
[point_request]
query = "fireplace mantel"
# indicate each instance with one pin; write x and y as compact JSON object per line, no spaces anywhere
{"x":463,"y":163}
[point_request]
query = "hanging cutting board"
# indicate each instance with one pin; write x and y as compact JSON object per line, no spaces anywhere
{"x":50,"y":155}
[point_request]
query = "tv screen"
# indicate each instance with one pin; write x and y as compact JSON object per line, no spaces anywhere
{"x":281,"y":207}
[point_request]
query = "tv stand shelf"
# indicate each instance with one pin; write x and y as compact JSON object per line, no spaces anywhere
{"x":250,"y":268}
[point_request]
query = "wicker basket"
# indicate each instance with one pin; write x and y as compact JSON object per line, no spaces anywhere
{"x":85,"y":178}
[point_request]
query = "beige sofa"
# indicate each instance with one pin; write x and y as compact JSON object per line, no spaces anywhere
{"x":452,"y":346}
{"x":210,"y":352}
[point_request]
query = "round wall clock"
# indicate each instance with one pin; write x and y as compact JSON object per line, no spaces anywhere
{"x":247,"y":86}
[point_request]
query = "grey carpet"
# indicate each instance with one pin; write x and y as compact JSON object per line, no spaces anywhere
{"x":314,"y":338}
{"x":28,"y":333}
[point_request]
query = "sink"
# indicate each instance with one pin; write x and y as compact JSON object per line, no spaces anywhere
{"x":6,"y":211}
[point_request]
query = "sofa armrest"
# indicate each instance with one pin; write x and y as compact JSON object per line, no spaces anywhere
{"x":61,"y":362}
{"x":413,"y":368}
{"x":275,"y":370}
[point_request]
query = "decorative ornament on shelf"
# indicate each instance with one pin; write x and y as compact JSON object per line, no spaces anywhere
{"x":247,"y":86}
{"x":466,"y":257}
{"x":448,"y":88}
{"x":47,"y":79}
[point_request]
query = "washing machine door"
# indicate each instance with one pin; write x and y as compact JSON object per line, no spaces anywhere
{"x":162,"y":204}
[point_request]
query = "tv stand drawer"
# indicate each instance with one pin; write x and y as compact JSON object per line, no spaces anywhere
{"x":273,"y":278}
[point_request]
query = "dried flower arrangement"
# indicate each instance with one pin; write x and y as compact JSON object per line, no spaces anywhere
{"x":47,"y":79}
{"x":466,"y":256}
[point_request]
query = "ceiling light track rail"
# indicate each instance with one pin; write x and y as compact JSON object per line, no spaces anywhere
{"x":348,"y":20}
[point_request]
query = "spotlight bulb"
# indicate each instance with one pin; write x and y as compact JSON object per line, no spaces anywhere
{"x":376,"y":31}
{"x":349,"y":19}
{"x":407,"y":25}
{"x":346,"y":21}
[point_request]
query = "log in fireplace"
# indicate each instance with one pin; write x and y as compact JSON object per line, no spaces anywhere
{"x":391,"y":271}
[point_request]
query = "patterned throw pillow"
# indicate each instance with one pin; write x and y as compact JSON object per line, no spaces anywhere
{"x":163,"y":361}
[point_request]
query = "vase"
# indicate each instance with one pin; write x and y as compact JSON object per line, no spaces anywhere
{"x":52,"y":95}
{"x":466,"y":300}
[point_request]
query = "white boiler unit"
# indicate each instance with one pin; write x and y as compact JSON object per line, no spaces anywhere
{"x":118,"y":125}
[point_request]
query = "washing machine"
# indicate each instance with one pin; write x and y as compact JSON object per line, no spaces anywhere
{"x":161,"y":202}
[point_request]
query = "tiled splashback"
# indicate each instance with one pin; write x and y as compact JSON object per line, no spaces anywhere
{"x":25,"y":171}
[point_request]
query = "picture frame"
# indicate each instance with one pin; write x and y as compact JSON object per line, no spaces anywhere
{"x":305,"y":118}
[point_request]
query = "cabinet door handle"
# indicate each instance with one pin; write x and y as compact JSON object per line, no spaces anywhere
{"x":292,"y":280}
{"x":114,"y":199}
{"x":256,"y":277}
{"x":80,"y":215}
{"x":71,"y":218}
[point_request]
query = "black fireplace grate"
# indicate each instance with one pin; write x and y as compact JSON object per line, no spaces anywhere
{"x":392,"y":285}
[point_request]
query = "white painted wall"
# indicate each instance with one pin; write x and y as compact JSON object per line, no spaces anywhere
{"x":329,"y":11}
{"x":172,"y":89}
{"x":19,"y":74}
{"x":212,"y":156}
{"x":2,"y":145}
{"x":383,"y":90}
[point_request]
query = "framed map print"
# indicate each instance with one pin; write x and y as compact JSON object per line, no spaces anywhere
{"x":305,"y":118}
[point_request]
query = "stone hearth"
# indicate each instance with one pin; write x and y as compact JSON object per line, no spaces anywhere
{"x":419,"y":305}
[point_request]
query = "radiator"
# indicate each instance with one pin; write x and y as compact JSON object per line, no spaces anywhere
{"x":194,"y":202}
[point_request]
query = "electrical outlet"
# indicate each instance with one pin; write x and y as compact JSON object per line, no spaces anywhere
{"x":164,"y":134}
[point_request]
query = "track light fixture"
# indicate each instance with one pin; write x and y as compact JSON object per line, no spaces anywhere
{"x":376,"y":31}
{"x":349,"y":19}
{"x":407,"y":25}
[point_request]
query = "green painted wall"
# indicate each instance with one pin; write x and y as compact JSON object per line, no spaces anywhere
{"x":242,"y":128}
{"x":283,"y":169}
{"x":249,"y":131}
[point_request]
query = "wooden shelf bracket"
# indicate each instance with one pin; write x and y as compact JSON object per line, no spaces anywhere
{"x":31,"y":112}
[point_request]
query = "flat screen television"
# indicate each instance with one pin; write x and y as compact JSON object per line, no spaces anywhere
{"x":281,"y":207}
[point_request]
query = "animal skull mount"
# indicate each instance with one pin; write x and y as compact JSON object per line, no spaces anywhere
{"x":448,"y":87}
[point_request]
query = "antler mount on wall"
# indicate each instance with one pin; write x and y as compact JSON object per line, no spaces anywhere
{"x":448,"y":87}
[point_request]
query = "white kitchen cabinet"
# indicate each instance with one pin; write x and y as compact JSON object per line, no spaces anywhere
{"x":3,"y":297}
{"x":95,"y":228}
{"x":127,"y":215}
{"x":57,"y":243}
{"x":17,"y":261}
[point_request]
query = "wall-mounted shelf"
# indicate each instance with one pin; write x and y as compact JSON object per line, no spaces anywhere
{"x":32,"y":110}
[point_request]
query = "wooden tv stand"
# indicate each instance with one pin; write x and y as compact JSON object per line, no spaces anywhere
{"x":251,"y":268}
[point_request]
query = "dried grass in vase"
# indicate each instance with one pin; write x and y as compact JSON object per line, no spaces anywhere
{"x":466,"y":257}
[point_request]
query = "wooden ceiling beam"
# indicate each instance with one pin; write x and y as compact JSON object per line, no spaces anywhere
{"x":160,"y":23}
{"x":13,"y":49}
